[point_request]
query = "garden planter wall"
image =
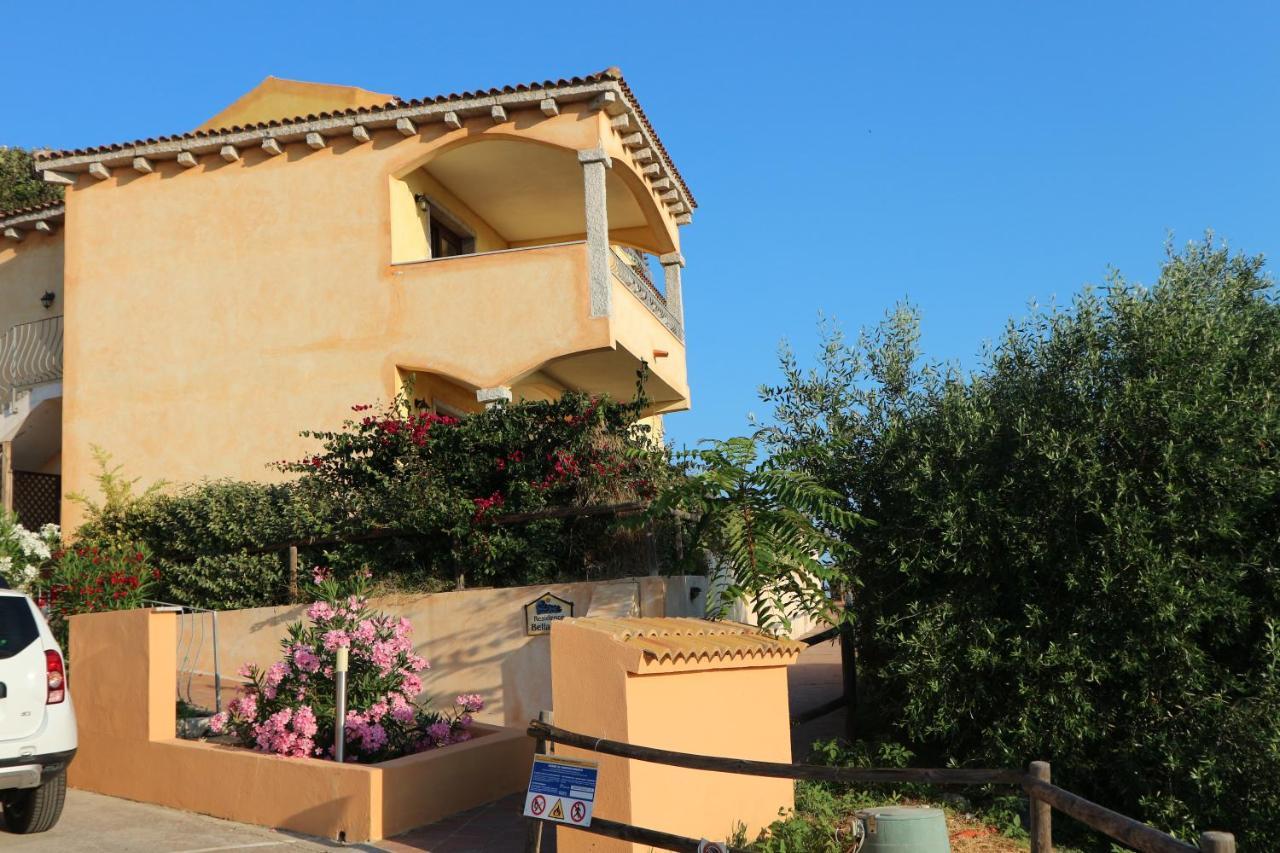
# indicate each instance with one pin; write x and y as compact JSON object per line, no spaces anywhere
{"x":124,"y":686}
{"x":475,"y":639}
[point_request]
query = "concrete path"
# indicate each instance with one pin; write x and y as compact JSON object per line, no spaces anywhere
{"x":92,"y":823}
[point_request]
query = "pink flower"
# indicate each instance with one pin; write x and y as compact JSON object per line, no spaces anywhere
{"x":304,"y":721}
{"x":439,"y":732}
{"x":276,"y":673}
{"x":321,"y":611}
{"x":306,"y":660}
{"x":320,"y":574}
{"x":335,"y":639}
{"x":417,"y":663}
{"x":411,"y":686}
{"x":218,"y":723}
{"x":365,"y":633}
{"x":470,"y":702}
{"x":246,"y":670}
{"x":377,"y":711}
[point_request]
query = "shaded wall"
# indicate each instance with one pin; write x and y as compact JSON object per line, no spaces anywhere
{"x":474,"y":639}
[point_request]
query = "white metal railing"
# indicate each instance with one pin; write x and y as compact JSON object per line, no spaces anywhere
{"x":30,"y":353}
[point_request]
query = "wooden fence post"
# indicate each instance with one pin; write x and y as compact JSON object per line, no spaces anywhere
{"x":849,"y":670}
{"x":6,"y":475}
{"x":291,"y":557}
{"x":1041,"y":812}
{"x":1217,"y":842}
{"x":533,"y":838}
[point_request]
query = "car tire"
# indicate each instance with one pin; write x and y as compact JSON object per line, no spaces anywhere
{"x":35,"y":809}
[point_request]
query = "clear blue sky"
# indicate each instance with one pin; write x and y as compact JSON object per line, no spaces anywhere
{"x":972,"y":157}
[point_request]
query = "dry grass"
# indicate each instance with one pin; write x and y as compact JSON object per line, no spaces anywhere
{"x":970,"y":835}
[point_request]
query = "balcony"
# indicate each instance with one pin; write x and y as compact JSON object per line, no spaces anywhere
{"x":499,"y":318}
{"x":30,"y":355}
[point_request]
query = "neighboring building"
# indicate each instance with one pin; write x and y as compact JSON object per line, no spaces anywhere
{"x":314,"y":247}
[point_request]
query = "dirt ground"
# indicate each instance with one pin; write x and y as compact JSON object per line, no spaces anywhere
{"x":969,"y":835}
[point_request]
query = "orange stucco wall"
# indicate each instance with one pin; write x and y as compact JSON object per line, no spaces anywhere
{"x":704,"y":705}
{"x":27,"y":270}
{"x":123,"y":677}
{"x":214,"y":312}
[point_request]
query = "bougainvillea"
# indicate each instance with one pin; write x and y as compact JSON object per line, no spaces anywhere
{"x":451,"y":481}
{"x":289,"y":708}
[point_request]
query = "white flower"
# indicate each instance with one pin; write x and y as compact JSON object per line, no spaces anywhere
{"x":6,"y":563}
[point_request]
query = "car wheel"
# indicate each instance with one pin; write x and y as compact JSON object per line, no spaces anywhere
{"x":35,"y":809}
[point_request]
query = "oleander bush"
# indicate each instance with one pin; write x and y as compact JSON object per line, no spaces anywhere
{"x":1073,"y":551}
{"x":289,"y":708}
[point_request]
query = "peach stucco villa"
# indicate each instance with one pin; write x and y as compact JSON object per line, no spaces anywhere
{"x":198,"y":299}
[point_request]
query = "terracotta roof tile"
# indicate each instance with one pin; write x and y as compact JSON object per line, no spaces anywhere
{"x":682,"y":639}
{"x":395,"y":103}
{"x":50,"y":209}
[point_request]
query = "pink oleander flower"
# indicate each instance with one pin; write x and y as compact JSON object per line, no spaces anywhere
{"x":320,"y":574}
{"x":335,"y":639}
{"x":218,"y":722}
{"x":411,"y":686}
{"x":401,"y":710}
{"x":470,"y":702}
{"x":465,"y":721}
{"x":306,"y":660}
{"x":304,"y":721}
{"x":365,"y":633}
{"x":384,"y":655}
{"x":416,"y":663}
{"x":246,"y":670}
{"x":321,"y":611}
{"x":439,"y":732}
{"x":244,"y":706}
{"x":277,"y":673}
{"x":377,"y":711}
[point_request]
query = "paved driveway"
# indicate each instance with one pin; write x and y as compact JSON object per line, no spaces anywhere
{"x":92,"y":823}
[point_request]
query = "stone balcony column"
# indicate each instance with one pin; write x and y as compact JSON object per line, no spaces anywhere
{"x":672,"y":263}
{"x":594,"y":163}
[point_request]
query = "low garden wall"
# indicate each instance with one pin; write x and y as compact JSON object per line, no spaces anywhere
{"x":475,"y":639}
{"x":123,"y":682}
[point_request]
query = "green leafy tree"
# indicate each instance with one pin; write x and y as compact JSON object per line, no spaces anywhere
{"x":20,"y":186}
{"x":762,"y":527}
{"x":1074,"y":554}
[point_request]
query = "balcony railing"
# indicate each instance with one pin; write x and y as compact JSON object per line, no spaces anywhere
{"x":30,"y":354}
{"x":640,"y":285}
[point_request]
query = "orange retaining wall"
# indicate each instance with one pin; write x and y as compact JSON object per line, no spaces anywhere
{"x":124,"y":681}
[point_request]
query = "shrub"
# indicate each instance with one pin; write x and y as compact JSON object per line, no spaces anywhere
{"x":1074,"y":551}
{"x":92,"y":579}
{"x":289,"y":708}
{"x":24,"y":554}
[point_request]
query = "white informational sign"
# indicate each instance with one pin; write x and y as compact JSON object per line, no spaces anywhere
{"x":561,"y":790}
{"x":543,"y":610}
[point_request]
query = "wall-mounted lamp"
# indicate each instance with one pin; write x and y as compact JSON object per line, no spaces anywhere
{"x":47,"y":299}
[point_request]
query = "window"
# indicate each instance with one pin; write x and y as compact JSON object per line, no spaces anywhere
{"x":17,"y":626}
{"x":447,"y":236}
{"x":445,"y":242}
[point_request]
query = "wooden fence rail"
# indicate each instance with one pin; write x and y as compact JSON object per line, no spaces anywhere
{"x":1043,"y":794}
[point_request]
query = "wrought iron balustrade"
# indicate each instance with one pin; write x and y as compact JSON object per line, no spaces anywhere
{"x":30,"y":354}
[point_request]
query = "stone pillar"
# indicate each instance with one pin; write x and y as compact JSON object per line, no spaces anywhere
{"x":491,"y":397}
{"x":594,"y":163}
{"x":672,"y":263}
{"x":688,"y":685}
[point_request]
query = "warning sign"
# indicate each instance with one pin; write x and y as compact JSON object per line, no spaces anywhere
{"x":705,"y":846}
{"x":569,"y":784}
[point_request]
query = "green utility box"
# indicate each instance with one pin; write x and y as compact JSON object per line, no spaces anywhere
{"x":903,"y":829}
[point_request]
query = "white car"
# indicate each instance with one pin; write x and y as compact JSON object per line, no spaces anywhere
{"x":37,"y":719}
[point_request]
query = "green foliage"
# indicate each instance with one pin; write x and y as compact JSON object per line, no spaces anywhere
{"x":1074,"y":550}
{"x":438,"y":480}
{"x":763,"y":525}
{"x":20,"y":186}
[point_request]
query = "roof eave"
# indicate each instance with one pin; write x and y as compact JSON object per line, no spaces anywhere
{"x":59,"y":167}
